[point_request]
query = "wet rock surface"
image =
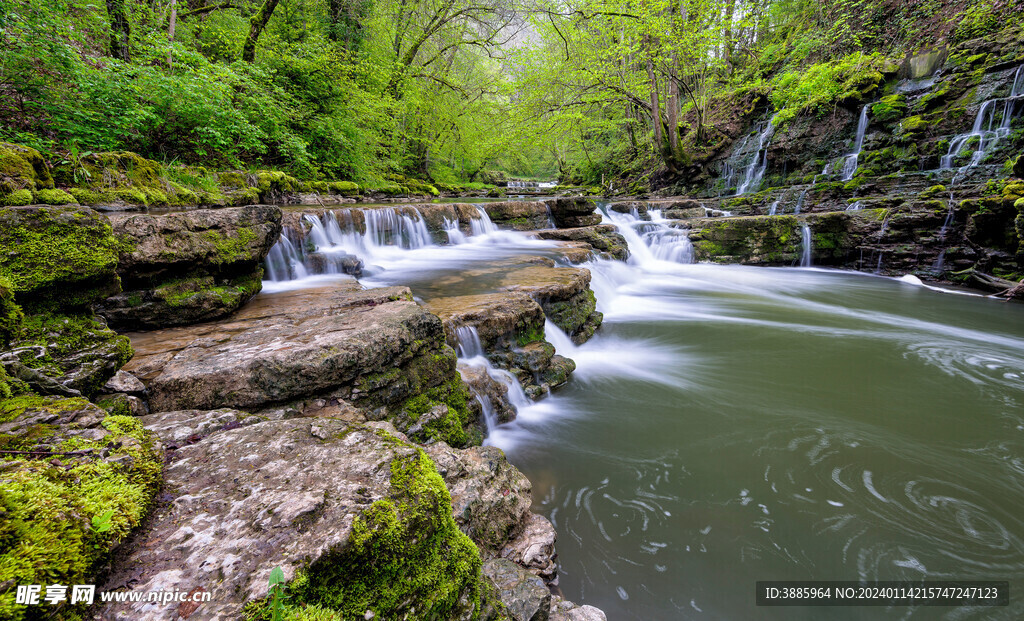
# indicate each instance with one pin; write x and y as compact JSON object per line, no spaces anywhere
{"x":603,"y":238}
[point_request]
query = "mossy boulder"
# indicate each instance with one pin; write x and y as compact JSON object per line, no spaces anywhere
{"x":1018,"y":166}
{"x":77,"y":352}
{"x":361,"y":521}
{"x":65,"y":256}
{"x":22,"y":168}
{"x":54,"y":196}
{"x":17,"y":198}
{"x":10,"y":313}
{"x":61,"y":516}
{"x":344,"y":188}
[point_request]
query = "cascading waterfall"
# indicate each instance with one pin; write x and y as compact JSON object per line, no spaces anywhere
{"x":328,"y":243}
{"x":285,"y":261}
{"x":483,"y":224}
{"x":651,"y":241}
{"x":755,"y":170}
{"x":850,"y":163}
{"x":471,"y":354}
{"x":800,"y":202}
{"x":985,"y":133}
{"x":774,"y":207}
{"x":806,"y":241}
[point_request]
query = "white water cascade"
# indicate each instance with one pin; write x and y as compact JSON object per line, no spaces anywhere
{"x":471,"y":354}
{"x":805,"y":244}
{"x":652,"y":240}
{"x":850,"y":162}
{"x":755,"y":170}
{"x":991,"y":124}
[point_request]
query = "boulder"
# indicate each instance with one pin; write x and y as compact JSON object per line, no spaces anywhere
{"x":83,"y":479}
{"x":22,"y":169}
{"x":565,"y":295}
{"x":358,"y":520}
{"x":563,"y":610}
{"x":523,"y":594}
{"x":375,"y":349}
{"x":58,"y":256}
{"x":490,"y":497}
{"x":519,"y":215}
{"x":183,"y":268}
{"x":534,"y":547}
{"x":603,"y":238}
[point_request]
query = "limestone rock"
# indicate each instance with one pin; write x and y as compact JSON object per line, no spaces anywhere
{"x":64,"y":256}
{"x":490,"y":497}
{"x":125,"y":382}
{"x":534,"y":547}
{"x":76,"y":352}
{"x":375,"y":349}
{"x":188,"y":267}
{"x":321,"y":498}
{"x":563,"y":610}
{"x":524,"y":595}
{"x":603,"y":238}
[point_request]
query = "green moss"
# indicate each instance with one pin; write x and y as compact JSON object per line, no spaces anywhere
{"x":450,"y":428}
{"x":345,"y":188}
{"x":405,"y":558}
{"x":17,"y":198}
{"x":10,"y":313}
{"x":889,"y":108}
{"x":571,"y":314}
{"x":22,"y":168}
{"x":54,"y":197}
{"x":47,"y":534}
{"x":63,"y":254}
{"x":86,"y":197}
{"x":231,"y":249}
{"x":913,"y":124}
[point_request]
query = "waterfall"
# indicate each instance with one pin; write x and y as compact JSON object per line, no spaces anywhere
{"x":805,"y":239}
{"x":285,"y":261}
{"x":651,"y":241}
{"x":451,"y":229}
{"x":755,"y":170}
{"x":774,"y":207}
{"x":483,"y":224}
{"x":986,"y":133}
{"x":471,"y":354}
{"x":799,"y":202}
{"x":850,"y":163}
{"x":854,"y":207}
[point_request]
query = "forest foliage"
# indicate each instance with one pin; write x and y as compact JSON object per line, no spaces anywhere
{"x":445,"y":90}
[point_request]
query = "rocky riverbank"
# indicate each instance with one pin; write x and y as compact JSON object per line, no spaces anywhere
{"x":325,"y":431}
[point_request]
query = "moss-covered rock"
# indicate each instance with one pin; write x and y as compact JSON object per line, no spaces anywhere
{"x":79,"y":352}
{"x":344,"y":188}
{"x":17,"y":198}
{"x":889,"y":108}
{"x":773,"y":240}
{"x":60,"y":517}
{"x":181,"y":302}
{"x":22,"y":168}
{"x":1018,"y":166}
{"x":10,"y":313}
{"x":63,"y":256}
{"x":54,"y":196}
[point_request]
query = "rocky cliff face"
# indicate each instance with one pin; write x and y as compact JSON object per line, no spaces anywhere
{"x":922,"y":159}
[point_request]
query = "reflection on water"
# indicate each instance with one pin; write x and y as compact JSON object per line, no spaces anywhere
{"x":781,"y":424}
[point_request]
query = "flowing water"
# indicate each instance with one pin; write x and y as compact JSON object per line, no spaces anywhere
{"x":731,"y":424}
{"x":850,"y":161}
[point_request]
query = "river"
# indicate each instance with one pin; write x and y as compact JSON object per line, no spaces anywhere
{"x":733,"y":424}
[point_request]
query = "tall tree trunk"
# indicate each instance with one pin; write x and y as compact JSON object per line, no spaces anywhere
{"x":672,"y":116}
{"x":256,"y":25}
{"x":659,"y":141}
{"x":170,"y":30}
{"x":120,"y":30}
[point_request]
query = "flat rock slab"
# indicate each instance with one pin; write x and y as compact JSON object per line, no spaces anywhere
{"x":246,"y":500}
{"x":284,"y":346}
